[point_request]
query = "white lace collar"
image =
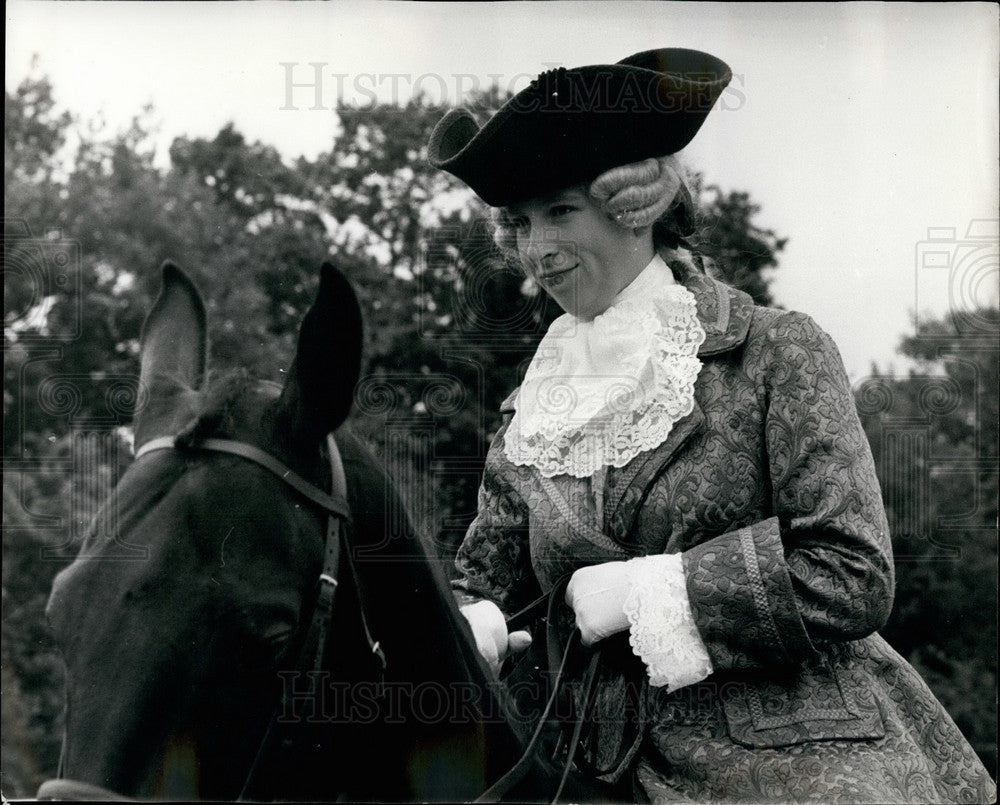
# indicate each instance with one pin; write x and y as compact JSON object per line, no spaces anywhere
{"x":597,"y":393}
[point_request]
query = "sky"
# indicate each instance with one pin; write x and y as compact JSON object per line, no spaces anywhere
{"x":867,"y":132}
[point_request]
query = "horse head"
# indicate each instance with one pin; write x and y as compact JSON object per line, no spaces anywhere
{"x":178,"y":616}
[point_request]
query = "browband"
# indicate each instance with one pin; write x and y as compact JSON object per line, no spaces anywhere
{"x":335,"y":503}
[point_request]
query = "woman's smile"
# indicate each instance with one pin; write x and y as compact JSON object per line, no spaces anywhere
{"x":567,"y":236}
{"x":556,"y":275}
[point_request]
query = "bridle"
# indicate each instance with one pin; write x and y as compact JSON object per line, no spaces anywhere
{"x":334,"y":502}
{"x":312,"y":639}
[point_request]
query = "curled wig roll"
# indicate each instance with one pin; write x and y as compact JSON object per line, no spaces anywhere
{"x":654,"y":192}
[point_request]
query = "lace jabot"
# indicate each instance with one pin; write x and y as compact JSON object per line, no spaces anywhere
{"x":597,"y":393}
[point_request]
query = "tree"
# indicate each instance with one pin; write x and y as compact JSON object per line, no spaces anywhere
{"x":450,"y":324}
{"x":934,"y":437}
{"x":740,"y":249}
{"x":34,"y":134}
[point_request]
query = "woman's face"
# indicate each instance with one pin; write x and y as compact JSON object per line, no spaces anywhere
{"x":576,"y":252}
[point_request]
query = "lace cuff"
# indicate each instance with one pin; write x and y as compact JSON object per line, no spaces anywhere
{"x":662,"y":630}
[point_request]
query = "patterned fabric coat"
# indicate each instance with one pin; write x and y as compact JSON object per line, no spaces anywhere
{"x":768,"y":490}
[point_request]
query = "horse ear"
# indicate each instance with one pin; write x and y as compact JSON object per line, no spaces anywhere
{"x":320,"y":385}
{"x":174,"y":352}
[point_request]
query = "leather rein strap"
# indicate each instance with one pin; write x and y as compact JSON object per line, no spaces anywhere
{"x":311,"y":640}
{"x":557,"y":669}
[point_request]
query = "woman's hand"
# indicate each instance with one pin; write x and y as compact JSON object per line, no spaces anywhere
{"x":597,"y":596}
{"x":489,"y":628}
{"x":636,"y":195}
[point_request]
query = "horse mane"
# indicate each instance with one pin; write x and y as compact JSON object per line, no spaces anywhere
{"x":217,"y":406}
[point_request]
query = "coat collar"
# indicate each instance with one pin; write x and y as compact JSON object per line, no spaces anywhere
{"x":724,"y":312}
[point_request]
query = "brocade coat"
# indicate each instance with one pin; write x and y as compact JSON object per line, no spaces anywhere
{"x":768,"y":490}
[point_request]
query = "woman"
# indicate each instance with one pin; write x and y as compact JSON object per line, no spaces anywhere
{"x":698,"y":466}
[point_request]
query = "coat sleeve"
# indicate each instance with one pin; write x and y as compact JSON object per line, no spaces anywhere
{"x":821,"y":567}
{"x":494,"y":562}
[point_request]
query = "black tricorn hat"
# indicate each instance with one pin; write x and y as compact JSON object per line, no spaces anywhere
{"x":570,"y":125}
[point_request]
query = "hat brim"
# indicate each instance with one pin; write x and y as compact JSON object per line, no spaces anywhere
{"x":569,"y":126}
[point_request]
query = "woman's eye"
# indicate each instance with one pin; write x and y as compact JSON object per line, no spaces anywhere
{"x":560,"y":209}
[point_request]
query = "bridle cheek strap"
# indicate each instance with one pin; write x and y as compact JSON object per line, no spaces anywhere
{"x":312,"y":638}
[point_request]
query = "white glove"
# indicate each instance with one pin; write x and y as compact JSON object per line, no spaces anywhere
{"x":489,"y":628}
{"x":646,"y":595}
{"x":636,"y":195}
{"x":597,"y":596}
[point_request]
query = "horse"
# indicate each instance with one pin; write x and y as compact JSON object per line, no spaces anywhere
{"x":180,"y":620}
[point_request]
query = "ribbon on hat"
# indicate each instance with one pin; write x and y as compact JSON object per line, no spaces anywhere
{"x":552,"y":82}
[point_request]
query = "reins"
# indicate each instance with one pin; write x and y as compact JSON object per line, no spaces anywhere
{"x":523,"y":766}
{"x":309,"y":644}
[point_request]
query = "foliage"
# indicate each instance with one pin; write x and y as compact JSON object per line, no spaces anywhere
{"x":934,"y":437}
{"x":741,"y":250}
{"x":449,"y":328}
